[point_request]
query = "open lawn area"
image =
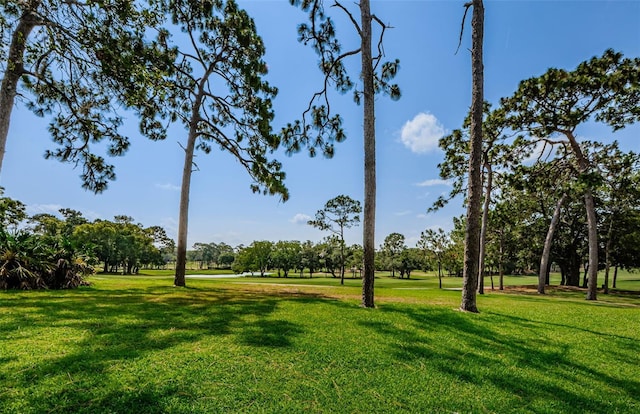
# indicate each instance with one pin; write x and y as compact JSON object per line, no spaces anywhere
{"x":130,"y":344}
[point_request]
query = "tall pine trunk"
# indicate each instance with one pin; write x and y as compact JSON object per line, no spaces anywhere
{"x":187,"y":169}
{"x":369,"y":221}
{"x":472,"y":234}
{"x":183,"y":221}
{"x":546,"y":251}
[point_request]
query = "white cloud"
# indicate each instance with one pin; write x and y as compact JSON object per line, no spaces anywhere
{"x":168,"y":187}
{"x":43,"y":208}
{"x":433,"y":182}
{"x":300,"y":219}
{"x":412,"y":241}
{"x":421,"y":134}
{"x":403,"y":213}
{"x":170,"y":225}
{"x":92,"y":215}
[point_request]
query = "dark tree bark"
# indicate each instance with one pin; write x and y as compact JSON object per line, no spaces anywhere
{"x":472,"y":234}
{"x":543,"y":277}
{"x":572,"y":271}
{"x":369,"y":160}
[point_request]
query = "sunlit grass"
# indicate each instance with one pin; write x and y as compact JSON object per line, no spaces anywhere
{"x":137,"y":344}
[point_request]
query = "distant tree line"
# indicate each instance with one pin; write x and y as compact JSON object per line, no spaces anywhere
{"x":56,"y":251}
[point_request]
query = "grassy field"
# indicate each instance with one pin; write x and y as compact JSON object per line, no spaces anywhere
{"x":137,"y":344}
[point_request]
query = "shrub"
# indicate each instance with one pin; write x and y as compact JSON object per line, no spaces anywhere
{"x":28,"y":262}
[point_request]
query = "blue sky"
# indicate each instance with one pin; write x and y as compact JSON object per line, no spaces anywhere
{"x":522,"y":39}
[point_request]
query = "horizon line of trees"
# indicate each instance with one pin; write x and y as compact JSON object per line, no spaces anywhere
{"x":121,"y":246}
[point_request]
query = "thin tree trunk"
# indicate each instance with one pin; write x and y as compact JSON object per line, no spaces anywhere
{"x":341,"y":257}
{"x":607,"y":257}
{"x":485,"y":223}
{"x":369,"y":220}
{"x":546,"y":251}
{"x":592,"y":223}
{"x":615,"y":277}
{"x":14,"y":69}
{"x":501,"y":263}
{"x":472,"y":234}
{"x":183,"y":222}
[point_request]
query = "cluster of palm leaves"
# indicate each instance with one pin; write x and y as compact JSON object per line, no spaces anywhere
{"x":28,"y":261}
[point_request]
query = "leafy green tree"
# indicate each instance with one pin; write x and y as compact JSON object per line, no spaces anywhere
{"x":339,"y":213}
{"x":122,"y":244}
{"x":132,"y":244}
{"x":286,"y":255}
{"x":226,"y":259}
{"x":217,"y":91}
{"x":99,"y":239}
{"x":310,"y":257}
{"x":529,"y":207}
{"x":261,"y":253}
{"x":392,"y":247}
{"x":551,"y":107}
{"x":12,"y":212}
{"x":435,"y":244}
{"x":329,"y":253}
{"x":410,"y":260}
{"x":45,"y":224}
{"x":355,"y":259}
{"x":72,"y":219}
{"x":624,"y":248}
{"x":70,"y":59}
{"x":504,"y":220}
{"x":620,"y":195}
{"x":453,"y":259}
{"x":376,"y":77}
{"x":541,"y":191}
{"x":205,"y":253}
{"x":496,"y":154}
{"x":245,"y":261}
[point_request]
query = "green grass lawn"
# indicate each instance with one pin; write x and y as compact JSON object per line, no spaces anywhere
{"x":137,"y":344}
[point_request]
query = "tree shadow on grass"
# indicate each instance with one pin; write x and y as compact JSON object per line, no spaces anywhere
{"x":522,"y":358}
{"x":111,"y":327}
